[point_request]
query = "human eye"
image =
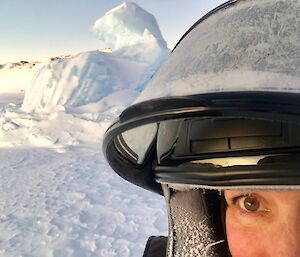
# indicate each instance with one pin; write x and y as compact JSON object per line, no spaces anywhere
{"x":251,"y":204}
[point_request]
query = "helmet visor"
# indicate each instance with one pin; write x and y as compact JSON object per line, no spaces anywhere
{"x":234,"y":142}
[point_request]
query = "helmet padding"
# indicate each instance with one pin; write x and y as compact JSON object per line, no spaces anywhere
{"x":193,"y":230}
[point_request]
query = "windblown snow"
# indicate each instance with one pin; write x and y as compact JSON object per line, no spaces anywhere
{"x":58,"y":195}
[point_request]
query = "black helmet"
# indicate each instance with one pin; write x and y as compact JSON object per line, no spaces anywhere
{"x":223,"y":112}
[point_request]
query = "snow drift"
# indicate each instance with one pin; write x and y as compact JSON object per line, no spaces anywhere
{"x":138,"y":51}
{"x":84,"y":78}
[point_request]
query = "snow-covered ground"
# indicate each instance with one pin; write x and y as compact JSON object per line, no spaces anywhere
{"x":72,"y":204}
{"x":58,"y":196}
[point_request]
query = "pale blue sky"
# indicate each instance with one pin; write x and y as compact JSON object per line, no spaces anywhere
{"x":33,"y":29}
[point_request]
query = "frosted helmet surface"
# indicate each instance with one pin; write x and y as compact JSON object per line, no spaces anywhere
{"x":221,"y":113}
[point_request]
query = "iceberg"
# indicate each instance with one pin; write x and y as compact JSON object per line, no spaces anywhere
{"x":138,"y":50}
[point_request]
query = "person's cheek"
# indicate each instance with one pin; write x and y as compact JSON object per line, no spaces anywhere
{"x":244,"y":240}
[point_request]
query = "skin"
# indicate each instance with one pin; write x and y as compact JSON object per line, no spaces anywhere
{"x":271,"y":230}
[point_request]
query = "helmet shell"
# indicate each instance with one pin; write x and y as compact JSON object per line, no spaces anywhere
{"x":240,"y":61}
{"x":242,"y":45}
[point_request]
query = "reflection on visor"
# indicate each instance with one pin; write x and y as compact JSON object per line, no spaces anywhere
{"x":135,"y":143}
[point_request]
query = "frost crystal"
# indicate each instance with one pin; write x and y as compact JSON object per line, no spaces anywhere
{"x":191,"y":235}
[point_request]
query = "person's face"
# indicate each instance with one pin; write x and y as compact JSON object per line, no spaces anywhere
{"x":263,"y":223}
